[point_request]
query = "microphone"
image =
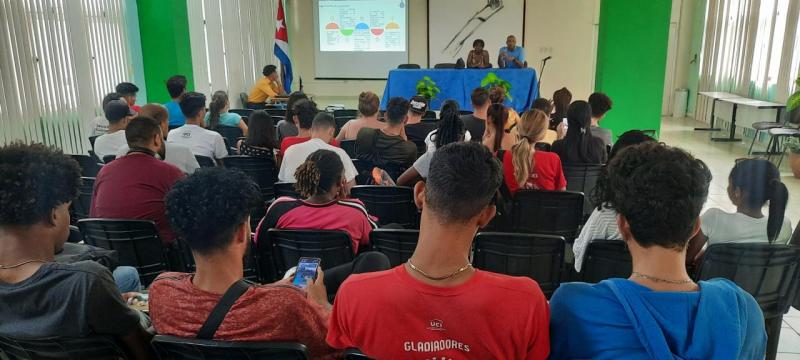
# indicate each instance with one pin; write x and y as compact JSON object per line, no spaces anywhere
{"x":301,"y":84}
{"x":547,"y":58}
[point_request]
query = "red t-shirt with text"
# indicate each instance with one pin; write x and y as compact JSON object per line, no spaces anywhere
{"x":547,"y":173}
{"x":292,"y":140}
{"x":390,"y":315}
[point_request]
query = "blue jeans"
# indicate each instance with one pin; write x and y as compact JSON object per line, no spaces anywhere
{"x":127,"y":279}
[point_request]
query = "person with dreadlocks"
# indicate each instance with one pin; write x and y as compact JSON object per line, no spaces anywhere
{"x":526,"y":168}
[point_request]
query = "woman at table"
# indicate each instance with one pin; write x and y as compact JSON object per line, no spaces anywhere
{"x":478,"y":57}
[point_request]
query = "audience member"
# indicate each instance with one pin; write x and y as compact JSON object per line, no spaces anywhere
{"x":286,"y":127}
{"x":478,"y":57}
{"x":265,"y":88}
{"x":511,"y":56}
{"x":387,"y":145}
{"x":260,"y":141}
{"x":175,"y":154}
{"x":176,"y":86}
{"x":495,"y":138}
{"x":321,"y":134}
{"x":449,"y":109}
{"x":118,"y":114}
{"x":546,"y":107}
{"x":475,"y":123}
{"x":210,"y":211}
{"x":304,"y":113}
{"x":579,"y":146}
{"x":526,"y":168}
{"x":417,"y":130}
{"x":450,"y":130}
{"x":368,"y":106}
{"x":600,"y":104}
{"x":99,"y":125}
{"x":133,"y":186}
{"x":193,"y":135}
{"x":218,"y":114}
{"x":561,"y":100}
{"x":43,"y":298}
{"x":497,"y":95}
{"x":437,"y":305}
{"x":658,"y":192}
{"x":602,"y":223}
{"x":128,"y":92}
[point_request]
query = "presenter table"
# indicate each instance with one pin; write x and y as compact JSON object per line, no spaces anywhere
{"x":457,"y":84}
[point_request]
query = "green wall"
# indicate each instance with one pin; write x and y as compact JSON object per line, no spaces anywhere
{"x":631,"y":61}
{"x":166,"y":50}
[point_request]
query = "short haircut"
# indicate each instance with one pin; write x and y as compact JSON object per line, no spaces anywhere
{"x":628,"y":139}
{"x":600,"y":103}
{"x":269,"y":70}
{"x":110,"y":97}
{"x":660,"y":190}
{"x":368,"y":103}
{"x":156,"y":111}
{"x":463,"y":180}
{"x":126,"y":88}
{"x":293,"y":98}
{"x":141,"y":130}
{"x":396,"y":110}
{"x":478,"y":42}
{"x":479,"y":96}
{"x":305,"y":110}
{"x":324,"y":120}
{"x":34,"y":180}
{"x":192,"y":103}
{"x":205,"y":208}
{"x":542,"y":104}
{"x":176,"y":85}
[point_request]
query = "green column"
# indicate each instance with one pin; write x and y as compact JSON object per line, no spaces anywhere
{"x":166,"y":50}
{"x":631,"y":61}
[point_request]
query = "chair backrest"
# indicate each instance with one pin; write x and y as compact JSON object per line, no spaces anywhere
{"x":396,"y":244}
{"x":136,"y":241}
{"x":205,"y":161}
{"x":283,"y":248}
{"x":340,"y":121}
{"x":261,"y":170}
{"x":583,"y":178}
{"x":408,"y":66}
{"x":276,"y":112}
{"x":465,"y":112}
{"x":175,"y":348}
{"x":242,"y":112}
{"x":90,"y":348}
{"x":80,"y":207}
{"x":769,"y":272}
{"x":606,"y":259}
{"x":243,"y":98}
{"x":353,"y":113}
{"x":92,"y":139}
{"x":231,"y":134}
{"x":547,"y":212}
{"x":286,"y":189}
{"x":445,"y":66}
{"x":391,"y":204}
{"x":89,"y":166}
{"x":541,"y":146}
{"x":109,"y":158}
{"x":430,"y":114}
{"x":539,"y":257}
{"x":355,"y":354}
{"x":349,"y":146}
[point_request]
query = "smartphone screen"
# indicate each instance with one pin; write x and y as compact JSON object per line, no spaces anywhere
{"x":306,"y":268}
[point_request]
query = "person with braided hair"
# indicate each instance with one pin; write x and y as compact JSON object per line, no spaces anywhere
{"x":525,"y":167}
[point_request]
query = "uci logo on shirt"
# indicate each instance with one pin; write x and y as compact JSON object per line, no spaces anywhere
{"x":436,"y":325}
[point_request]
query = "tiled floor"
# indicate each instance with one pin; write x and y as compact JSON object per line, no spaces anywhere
{"x":720,"y":158}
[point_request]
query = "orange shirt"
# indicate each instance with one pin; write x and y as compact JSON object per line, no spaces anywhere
{"x":263,"y":90}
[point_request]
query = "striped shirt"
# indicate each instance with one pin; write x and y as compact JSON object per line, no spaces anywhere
{"x":602,"y":225}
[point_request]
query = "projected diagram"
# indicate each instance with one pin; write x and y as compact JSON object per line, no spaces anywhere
{"x":362,"y":26}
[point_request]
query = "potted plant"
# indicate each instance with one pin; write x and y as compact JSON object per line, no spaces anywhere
{"x":427,"y":88}
{"x":491,"y":80}
{"x":793,"y":145}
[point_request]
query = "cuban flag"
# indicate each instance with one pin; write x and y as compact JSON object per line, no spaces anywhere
{"x":282,"y":48}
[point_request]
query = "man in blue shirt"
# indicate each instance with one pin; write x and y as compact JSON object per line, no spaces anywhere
{"x":176,"y":86}
{"x":511,"y":56}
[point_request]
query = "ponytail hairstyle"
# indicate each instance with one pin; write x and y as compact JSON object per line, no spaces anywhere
{"x":497,"y":116}
{"x":319,"y":173}
{"x":760,"y":181}
{"x":218,"y":102}
{"x":532,"y":128}
{"x":451,"y":128}
{"x":579,"y":133}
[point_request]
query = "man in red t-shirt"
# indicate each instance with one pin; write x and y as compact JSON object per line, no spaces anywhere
{"x":437,"y":305}
{"x":134,"y":186}
{"x":304,"y":113}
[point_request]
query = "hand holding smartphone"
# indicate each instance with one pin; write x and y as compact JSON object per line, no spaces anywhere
{"x":306,"y":268}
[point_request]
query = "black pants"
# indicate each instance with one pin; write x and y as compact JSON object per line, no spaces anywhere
{"x":370,"y":261}
{"x":256,"y":106}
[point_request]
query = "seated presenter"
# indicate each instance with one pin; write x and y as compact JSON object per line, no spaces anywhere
{"x":265,"y":88}
{"x":478,"y":58}
{"x":511,"y":56}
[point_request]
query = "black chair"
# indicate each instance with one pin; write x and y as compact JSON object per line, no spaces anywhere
{"x":540,"y":146}
{"x":276,"y":112}
{"x":279,"y":250}
{"x":364,"y":171}
{"x":345,"y":112}
{"x":92,"y":139}
{"x":606,"y":259}
{"x":465,"y":112}
{"x":583,"y":178}
{"x":205,"y":161}
{"x":355,"y":354}
{"x":445,"y":66}
{"x":136,"y":241}
{"x":396,"y":244}
{"x":391,"y":204}
{"x":89,"y":166}
{"x":74,"y":235}
{"x":430,"y":114}
{"x":408,"y":66}
{"x":175,"y":348}
{"x":539,"y":257}
{"x":768,"y":272}
{"x":242,"y":112}
{"x":557,"y":213}
{"x":261,"y":170}
{"x":109,"y":158}
{"x":349,"y":146}
{"x":80,"y":207}
{"x":286,"y":189}
{"x":88,"y":348}
{"x":231,"y":134}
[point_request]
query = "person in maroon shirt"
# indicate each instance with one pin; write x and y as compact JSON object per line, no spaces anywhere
{"x":134,"y":186}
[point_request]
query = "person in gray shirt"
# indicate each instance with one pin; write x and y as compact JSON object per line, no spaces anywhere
{"x":600,"y":104}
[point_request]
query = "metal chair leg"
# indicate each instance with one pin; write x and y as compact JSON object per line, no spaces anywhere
{"x":750,"y":151}
{"x":773,"y":327}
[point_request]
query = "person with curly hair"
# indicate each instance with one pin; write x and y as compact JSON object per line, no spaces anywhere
{"x":659,"y":311}
{"x":42,"y":298}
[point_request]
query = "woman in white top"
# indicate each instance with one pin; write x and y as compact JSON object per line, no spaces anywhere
{"x":751,"y":184}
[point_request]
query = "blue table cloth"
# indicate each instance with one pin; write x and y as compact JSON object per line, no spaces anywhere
{"x":457,"y":84}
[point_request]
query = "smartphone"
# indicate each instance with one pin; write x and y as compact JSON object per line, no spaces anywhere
{"x":306,"y":268}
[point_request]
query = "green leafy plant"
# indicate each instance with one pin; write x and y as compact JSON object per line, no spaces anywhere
{"x":491,"y":80}
{"x":794,"y":99}
{"x":793,"y":145}
{"x":427,"y":88}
